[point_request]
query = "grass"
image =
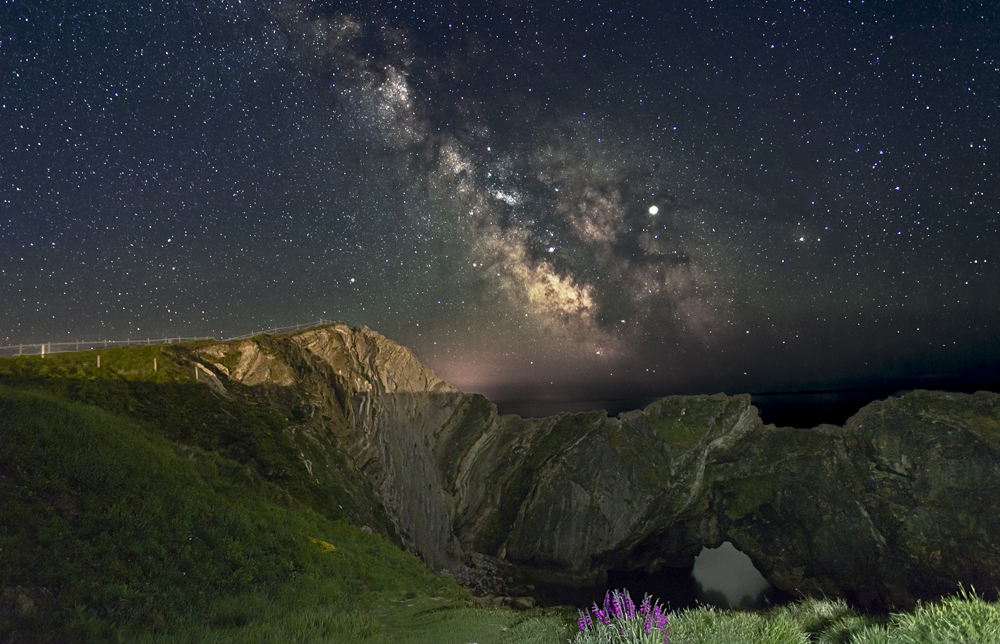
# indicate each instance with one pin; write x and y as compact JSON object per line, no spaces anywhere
{"x":108,"y":528}
{"x":247,"y":426}
{"x":963,"y":618}
{"x":137,"y":506}
{"x":423,"y":620}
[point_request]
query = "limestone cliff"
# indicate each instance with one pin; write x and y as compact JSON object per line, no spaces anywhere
{"x":899,"y":504}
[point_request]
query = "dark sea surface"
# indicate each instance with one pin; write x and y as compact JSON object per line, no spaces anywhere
{"x":802,"y":409}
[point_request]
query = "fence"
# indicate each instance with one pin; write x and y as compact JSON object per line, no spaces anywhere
{"x":63,"y":347}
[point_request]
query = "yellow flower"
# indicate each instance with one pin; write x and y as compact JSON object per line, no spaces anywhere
{"x":323,"y":545}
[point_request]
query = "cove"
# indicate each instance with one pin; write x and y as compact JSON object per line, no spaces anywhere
{"x":723,"y":577}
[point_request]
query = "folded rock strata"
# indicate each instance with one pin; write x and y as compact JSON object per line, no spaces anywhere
{"x":900,"y":504}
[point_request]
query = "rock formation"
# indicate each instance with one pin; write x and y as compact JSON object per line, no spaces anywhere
{"x":898,"y":505}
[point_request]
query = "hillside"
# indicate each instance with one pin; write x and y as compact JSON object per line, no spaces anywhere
{"x":145,"y":496}
{"x":117,"y":456}
{"x":107,"y":527}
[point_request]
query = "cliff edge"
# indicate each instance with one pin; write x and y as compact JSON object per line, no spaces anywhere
{"x":900,"y":504}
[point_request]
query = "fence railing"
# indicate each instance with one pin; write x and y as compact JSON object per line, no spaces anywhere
{"x":88,"y":345}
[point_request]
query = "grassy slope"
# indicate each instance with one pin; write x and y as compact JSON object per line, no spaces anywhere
{"x":106,"y":526}
{"x":135,"y":501}
{"x":170,"y":402}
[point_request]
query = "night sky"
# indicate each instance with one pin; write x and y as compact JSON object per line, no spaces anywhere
{"x":558,"y":200}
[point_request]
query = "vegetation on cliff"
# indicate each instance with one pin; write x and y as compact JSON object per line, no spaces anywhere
{"x":107,"y":528}
{"x":149,"y":497}
{"x":139,"y":505}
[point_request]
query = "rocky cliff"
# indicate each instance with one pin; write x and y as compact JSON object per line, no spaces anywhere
{"x":898,"y":505}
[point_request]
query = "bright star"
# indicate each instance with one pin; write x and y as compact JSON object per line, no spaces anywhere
{"x":653,"y":210}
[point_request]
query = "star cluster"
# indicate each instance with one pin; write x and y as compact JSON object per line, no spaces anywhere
{"x":576,"y":200}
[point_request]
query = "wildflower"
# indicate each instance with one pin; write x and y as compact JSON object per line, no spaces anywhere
{"x":620,"y":622}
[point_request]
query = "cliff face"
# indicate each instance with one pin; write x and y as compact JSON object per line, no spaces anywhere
{"x":359,"y":393}
{"x":899,"y":504}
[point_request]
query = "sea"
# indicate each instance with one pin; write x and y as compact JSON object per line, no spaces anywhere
{"x":803,"y":409}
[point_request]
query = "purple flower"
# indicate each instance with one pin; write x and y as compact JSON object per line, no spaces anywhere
{"x":620,"y":612}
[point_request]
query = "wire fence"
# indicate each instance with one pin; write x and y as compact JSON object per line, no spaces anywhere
{"x":89,"y":345}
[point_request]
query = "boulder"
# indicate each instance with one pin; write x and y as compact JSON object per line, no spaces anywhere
{"x":524,"y":603}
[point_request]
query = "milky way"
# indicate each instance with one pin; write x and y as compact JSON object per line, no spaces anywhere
{"x":581,"y":200}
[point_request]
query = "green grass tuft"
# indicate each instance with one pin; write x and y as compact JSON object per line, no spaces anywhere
{"x":964,"y":618}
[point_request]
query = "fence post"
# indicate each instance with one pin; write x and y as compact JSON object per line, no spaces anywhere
{"x":43,"y":352}
{"x":98,"y":361}
{"x":154,"y":364}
